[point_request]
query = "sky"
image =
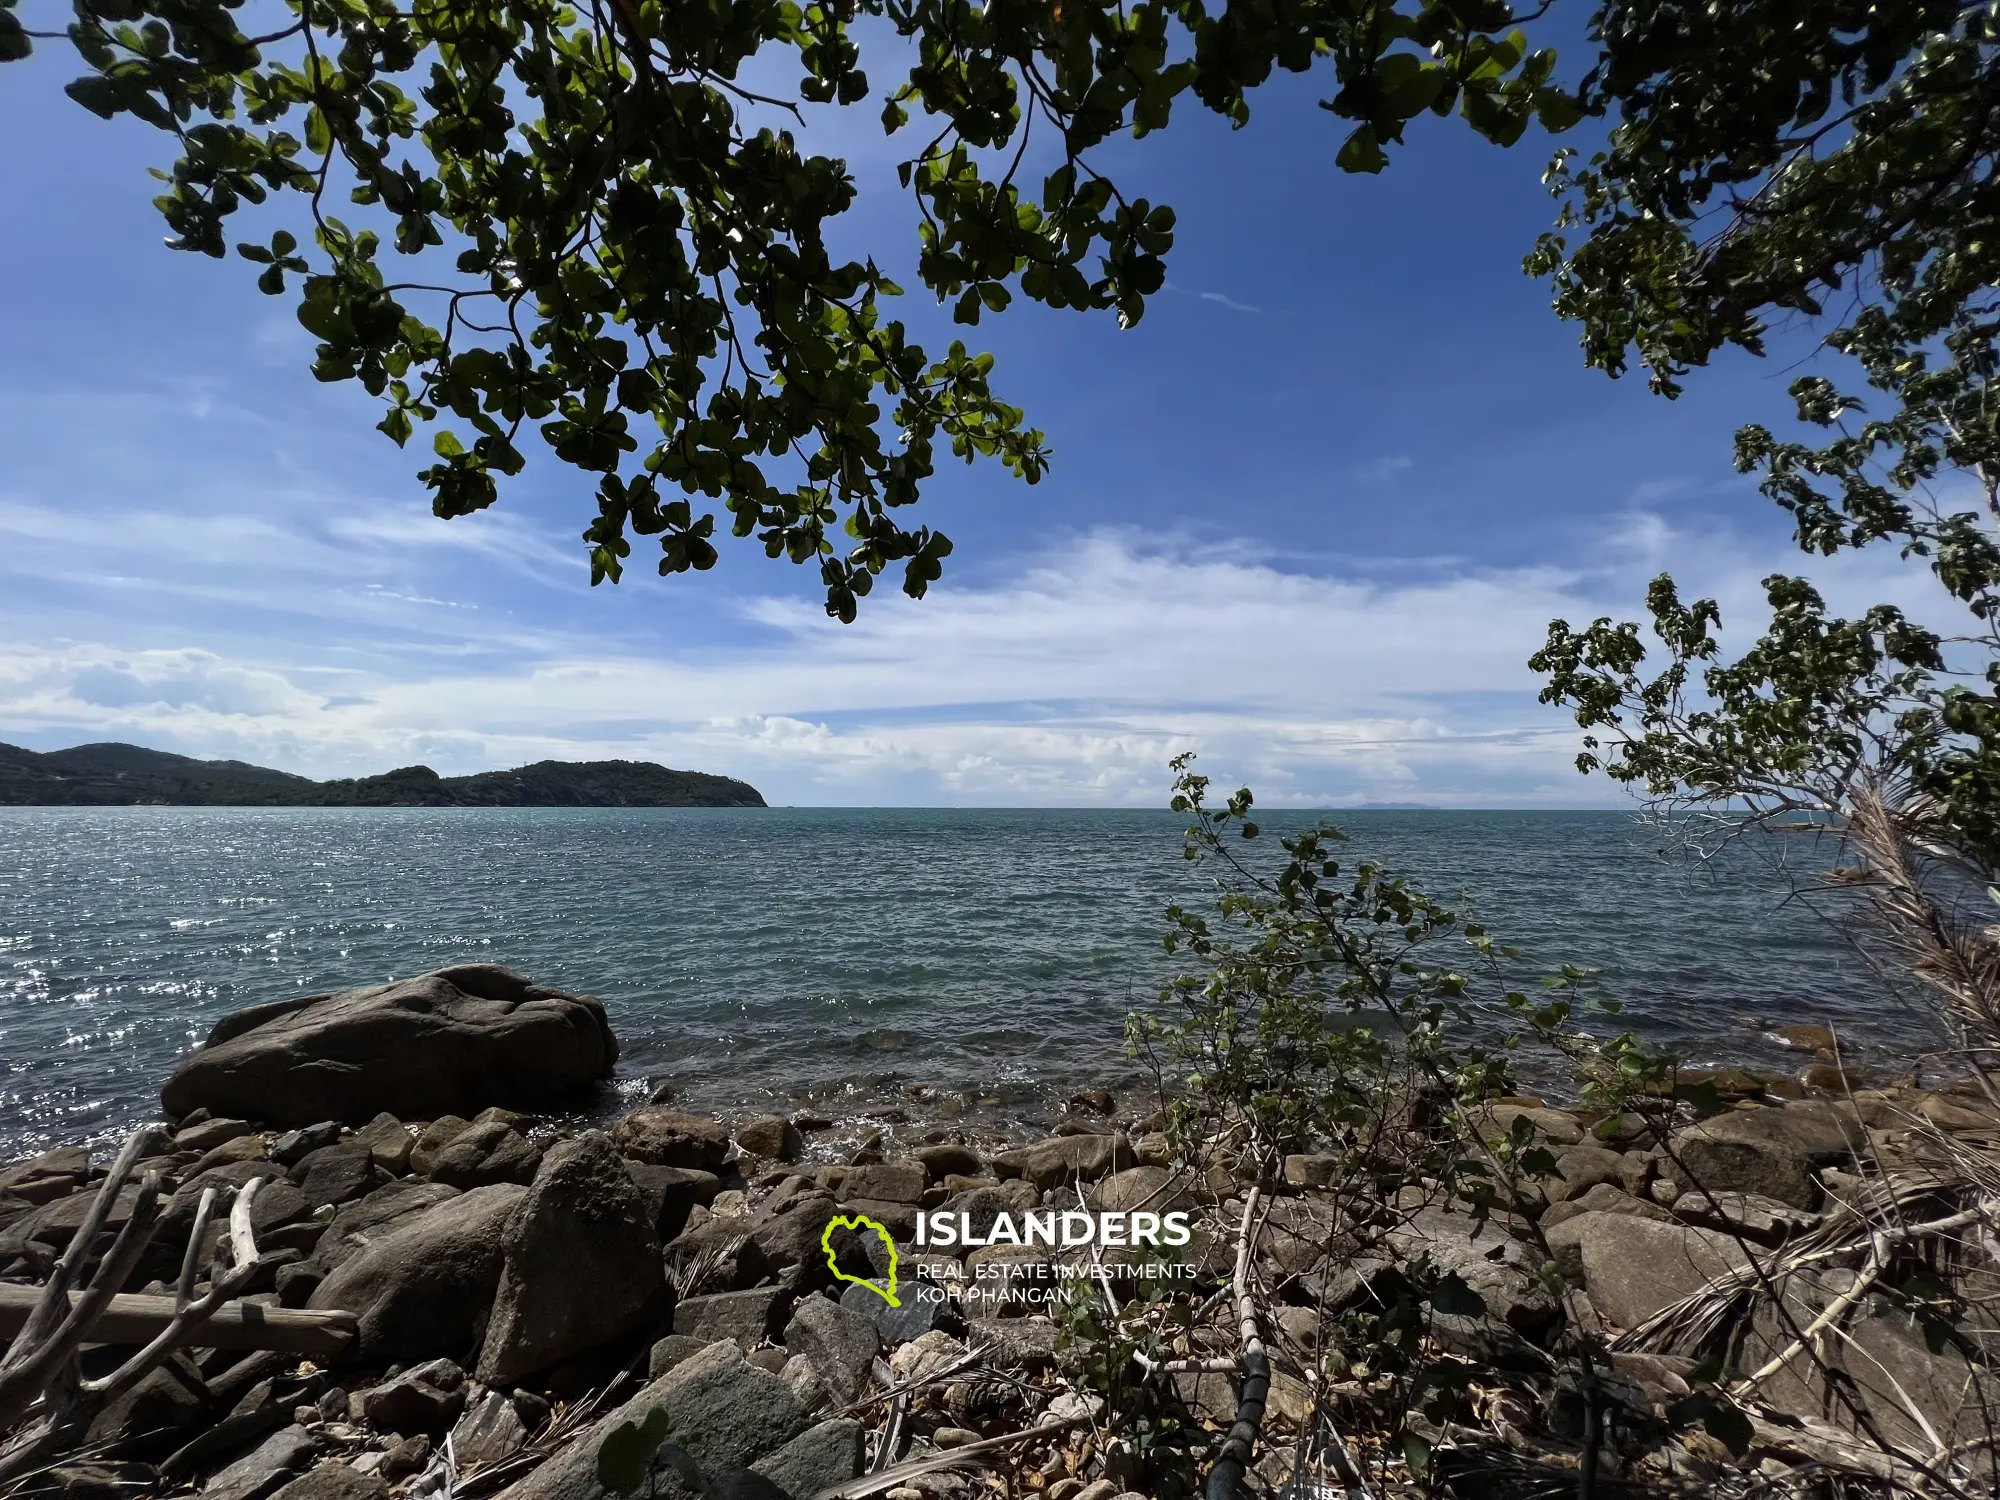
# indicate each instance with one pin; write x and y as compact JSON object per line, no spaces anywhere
{"x":1309,"y":518}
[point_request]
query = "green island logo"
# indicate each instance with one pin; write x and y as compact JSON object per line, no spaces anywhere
{"x":860,"y":1222}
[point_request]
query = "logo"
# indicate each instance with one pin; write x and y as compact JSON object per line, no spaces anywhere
{"x":858,"y":1223}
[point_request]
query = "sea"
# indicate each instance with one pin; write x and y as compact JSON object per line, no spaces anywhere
{"x":828,"y":959}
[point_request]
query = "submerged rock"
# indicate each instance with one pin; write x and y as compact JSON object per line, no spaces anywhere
{"x":455,"y":1040}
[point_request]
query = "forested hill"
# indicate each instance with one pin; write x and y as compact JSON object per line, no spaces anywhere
{"x":117,"y":775}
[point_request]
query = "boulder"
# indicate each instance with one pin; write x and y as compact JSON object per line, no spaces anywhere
{"x":1545,"y":1126}
{"x":358,"y":1225}
{"x":671,"y":1138}
{"x":674,"y":1349}
{"x":337,"y":1174}
{"x":1606,"y":1199}
{"x":1632,"y":1267}
{"x":1579,"y":1169}
{"x":817,"y":1459}
{"x":453,"y":1041}
{"x":263,"y":1468}
{"x":884,"y":1182}
{"x":773,"y":1136}
{"x":432,"y":1139}
{"x":1154,"y":1189}
{"x":148,"y":1419}
{"x":426,"y":1399}
{"x":947,"y":1159}
{"x":295,"y":1145}
{"x":481,"y":1155}
{"x":722,"y":1411}
{"x":211,"y":1133}
{"x":1769,"y":1151}
{"x":582,"y":1264}
{"x":841,"y":1343}
{"x":423,"y":1288}
{"x":490,"y":1430}
{"x":1502,"y":1270}
{"x":389,"y":1141}
{"x":333,"y":1481}
{"x":1066,"y":1157}
{"x":748,"y":1317}
{"x":670,"y":1194}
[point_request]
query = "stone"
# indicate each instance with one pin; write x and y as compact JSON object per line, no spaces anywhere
{"x":295,"y":1145}
{"x":918,"y":1308}
{"x":889,"y":1182}
{"x":432,"y":1139}
{"x":1546,"y":1126}
{"x":925,"y":1356}
{"x":773,"y":1136}
{"x":453,"y":1041}
{"x":405,"y":1457}
{"x":900,"y":1219}
{"x":337,"y":1174}
{"x":1064,"y":1158}
{"x":722,"y":1411}
{"x":792,"y":1237}
{"x":1632,"y":1267}
{"x":671,"y":1138}
{"x":295,"y":1284}
{"x":1307,"y":1170}
{"x":358,"y":1225}
{"x":421,"y":1289}
{"x":1151,"y":1188}
{"x":490,"y":1430}
{"x":841,"y":1344}
{"x":389,"y":1141}
{"x":239,"y":1148}
{"x":671,"y":1350}
{"x":264,"y":1467}
{"x":211,"y":1133}
{"x":748,"y":1317}
{"x":334,"y":1481}
{"x":946,"y":1159}
{"x":481,"y":1155}
{"x":1501,"y":1269}
{"x":57,"y":1222}
{"x":670,"y":1193}
{"x":1765,"y":1221}
{"x":582,"y":1263}
{"x":1579,"y":1169}
{"x":1028,"y":1342}
{"x":1769,"y":1151}
{"x":149,"y":1418}
{"x":1602,"y":1199}
{"x":426,"y":1399}
{"x":1806,"y":1038}
{"x":819,"y":1458}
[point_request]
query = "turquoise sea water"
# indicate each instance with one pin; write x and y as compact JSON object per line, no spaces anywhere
{"x":795,"y":954}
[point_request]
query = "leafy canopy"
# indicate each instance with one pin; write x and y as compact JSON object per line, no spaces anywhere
{"x":594,"y":219}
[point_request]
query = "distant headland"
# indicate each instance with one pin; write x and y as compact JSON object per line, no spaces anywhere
{"x":114,"y":775}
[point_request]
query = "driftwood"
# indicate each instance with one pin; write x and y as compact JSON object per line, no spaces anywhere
{"x":50,"y":1324}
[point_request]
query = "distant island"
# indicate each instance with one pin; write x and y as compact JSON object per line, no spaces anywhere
{"x":1395,"y":807}
{"x":113,"y":775}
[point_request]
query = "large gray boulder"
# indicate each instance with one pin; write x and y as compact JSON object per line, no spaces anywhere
{"x":721,"y":1410}
{"x":582,"y":1264}
{"x":1633,"y":1267}
{"x":424,"y":1288}
{"x":454,"y":1041}
{"x":1770,"y":1151}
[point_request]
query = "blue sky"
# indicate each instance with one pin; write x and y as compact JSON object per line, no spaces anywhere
{"x":1309,"y":518}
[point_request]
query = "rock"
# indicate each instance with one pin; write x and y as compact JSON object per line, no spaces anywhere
{"x":358,"y":1225}
{"x":389,"y":1141}
{"x":792,"y":1237}
{"x":954,"y":1437}
{"x":337,"y":1174}
{"x":1806,"y":1038}
{"x":1579,"y":1169}
{"x":1066,"y":1158}
{"x":295,"y":1284}
{"x":334,"y":1481}
{"x":1764,"y":1221}
{"x":1602,"y":1199}
{"x":817,"y":1459}
{"x":671,"y":1138}
{"x":1302,"y":1170}
{"x":669,"y":1193}
{"x":427,"y":1399}
{"x":841,"y":1344}
{"x":422,"y":1288}
{"x":748,"y":1317}
{"x":432,"y":1139}
{"x":942,"y":1161}
{"x":1016,"y":1341}
{"x":924,"y":1356}
{"x":1632,"y":1267}
{"x":56,"y":1223}
{"x":890,"y":1182}
{"x":264,"y":1468}
{"x":453,"y":1041}
{"x":900,"y":1219}
{"x":978,"y":1208}
{"x":671,"y":1350}
{"x":211,"y":1133}
{"x":295,"y":1145}
{"x":241,"y":1148}
{"x":481,"y":1155}
{"x":582,"y":1263}
{"x":405,"y":1457}
{"x":1833,"y":1078}
{"x":1766,"y":1151}
{"x":1545,"y":1126}
{"x":1501,"y":1269}
{"x":773,"y":1136}
{"x":92,"y":1480}
{"x":918,"y":1308}
{"x":722,"y":1411}
{"x":1151,"y":1188}
{"x":149,"y":1418}
{"x":490,"y":1430}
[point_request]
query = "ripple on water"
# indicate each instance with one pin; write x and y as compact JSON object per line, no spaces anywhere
{"x":770,"y":955}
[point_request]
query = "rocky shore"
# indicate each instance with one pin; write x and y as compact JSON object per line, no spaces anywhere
{"x":435,"y":1293}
